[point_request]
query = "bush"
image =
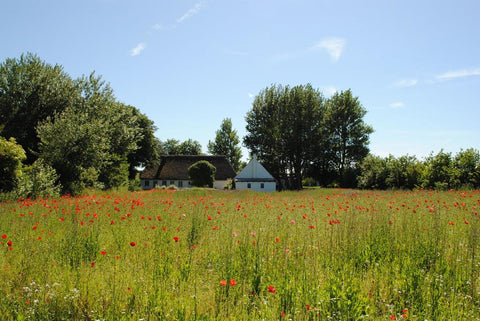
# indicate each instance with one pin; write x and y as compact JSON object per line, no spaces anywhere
{"x":202,"y":174}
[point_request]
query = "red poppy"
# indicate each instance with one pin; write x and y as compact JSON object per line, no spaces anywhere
{"x":271,"y":289}
{"x":103,"y":252}
{"x":175,"y":238}
{"x":9,"y":243}
{"x":233,"y":282}
{"x":132,"y":243}
{"x":223,"y":283}
{"x":4,"y":236}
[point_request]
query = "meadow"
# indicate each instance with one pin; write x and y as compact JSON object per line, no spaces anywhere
{"x":320,"y":254}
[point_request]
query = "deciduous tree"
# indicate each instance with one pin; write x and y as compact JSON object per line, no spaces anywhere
{"x":227,"y":143}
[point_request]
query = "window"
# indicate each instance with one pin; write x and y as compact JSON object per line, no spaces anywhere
{"x":180,"y":184}
{"x":249,"y":185}
{"x":172,"y":182}
{"x":262,"y":185}
{"x":147,"y":183}
{"x":164,"y":183}
{"x":154,"y":184}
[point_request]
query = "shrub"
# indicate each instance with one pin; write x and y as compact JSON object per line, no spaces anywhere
{"x":202,"y":174}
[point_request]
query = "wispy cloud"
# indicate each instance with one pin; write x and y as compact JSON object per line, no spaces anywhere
{"x":330,"y":90}
{"x":334,"y":47}
{"x":406,"y":83}
{"x":138,"y":49}
{"x":397,"y":104}
{"x":250,"y":95}
{"x":459,"y":74}
{"x":191,"y":12}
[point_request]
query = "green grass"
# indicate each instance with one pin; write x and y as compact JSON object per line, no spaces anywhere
{"x":317,"y":254}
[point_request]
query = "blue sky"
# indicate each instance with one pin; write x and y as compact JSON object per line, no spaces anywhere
{"x":188,"y":64}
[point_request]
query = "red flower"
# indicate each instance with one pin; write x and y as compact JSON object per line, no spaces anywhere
{"x":4,"y":236}
{"x":175,"y":238}
{"x":223,"y":283}
{"x":233,"y":282}
{"x":9,"y":243}
{"x":392,"y":317}
{"x":271,"y":289}
{"x":132,"y":243}
{"x":277,"y":239}
{"x":103,"y":252}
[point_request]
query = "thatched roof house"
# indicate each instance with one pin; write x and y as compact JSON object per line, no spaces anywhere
{"x":173,"y":170}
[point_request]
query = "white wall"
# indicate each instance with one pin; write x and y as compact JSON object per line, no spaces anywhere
{"x":159,"y":183}
{"x":257,"y":186}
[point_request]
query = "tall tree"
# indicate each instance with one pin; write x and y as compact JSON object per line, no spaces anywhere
{"x":30,"y":91}
{"x":91,"y":140}
{"x":348,"y":135}
{"x":227,"y":143}
{"x":174,"y":147}
{"x":284,"y":127}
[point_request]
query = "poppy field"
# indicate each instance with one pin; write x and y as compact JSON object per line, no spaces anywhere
{"x":320,"y":254}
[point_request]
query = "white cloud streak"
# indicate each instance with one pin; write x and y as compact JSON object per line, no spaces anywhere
{"x":334,"y":47}
{"x":459,"y":74}
{"x":330,"y":90}
{"x":397,"y":104}
{"x":191,"y":12}
{"x":138,"y":49}
{"x":406,"y":83}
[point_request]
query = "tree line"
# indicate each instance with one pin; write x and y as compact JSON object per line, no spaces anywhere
{"x":63,"y":135}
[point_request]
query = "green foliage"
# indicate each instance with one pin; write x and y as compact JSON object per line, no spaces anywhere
{"x":30,"y":91}
{"x":438,"y":172}
{"x":227,"y":143}
{"x":284,"y":127}
{"x":67,"y":141}
{"x":11,"y":157}
{"x":174,"y":147}
{"x":296,"y":133}
{"x":39,"y":180}
{"x":347,"y":134}
{"x":202,"y":174}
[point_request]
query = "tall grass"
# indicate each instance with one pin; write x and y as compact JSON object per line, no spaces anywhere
{"x":215,"y":255}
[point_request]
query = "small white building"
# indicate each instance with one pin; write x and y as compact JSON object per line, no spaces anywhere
{"x":255,"y":177}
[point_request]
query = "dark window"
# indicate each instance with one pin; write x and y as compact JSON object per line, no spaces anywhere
{"x":249,"y":185}
{"x":164,"y":183}
{"x":147,"y":183}
{"x":154,"y":183}
{"x":180,"y":183}
{"x":172,"y":182}
{"x":262,"y":185}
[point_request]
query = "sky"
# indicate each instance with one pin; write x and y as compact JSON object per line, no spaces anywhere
{"x":188,"y":64}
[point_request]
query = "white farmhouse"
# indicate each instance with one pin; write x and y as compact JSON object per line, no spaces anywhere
{"x":254,"y":176}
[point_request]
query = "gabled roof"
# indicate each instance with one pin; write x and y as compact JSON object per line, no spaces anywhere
{"x":254,"y":172}
{"x":175,"y":167}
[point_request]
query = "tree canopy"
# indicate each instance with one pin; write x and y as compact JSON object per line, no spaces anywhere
{"x":227,"y":143}
{"x":75,"y":126}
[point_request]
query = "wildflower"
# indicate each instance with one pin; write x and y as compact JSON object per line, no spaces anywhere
{"x":392,"y":317}
{"x":223,"y":283}
{"x":4,"y":236}
{"x":9,"y":243}
{"x":175,"y":238}
{"x":132,"y":244}
{"x":103,"y":252}
{"x":277,"y":239}
{"x":233,"y":282}
{"x":271,"y":289}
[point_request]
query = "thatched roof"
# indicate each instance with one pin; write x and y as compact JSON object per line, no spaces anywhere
{"x":175,"y":167}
